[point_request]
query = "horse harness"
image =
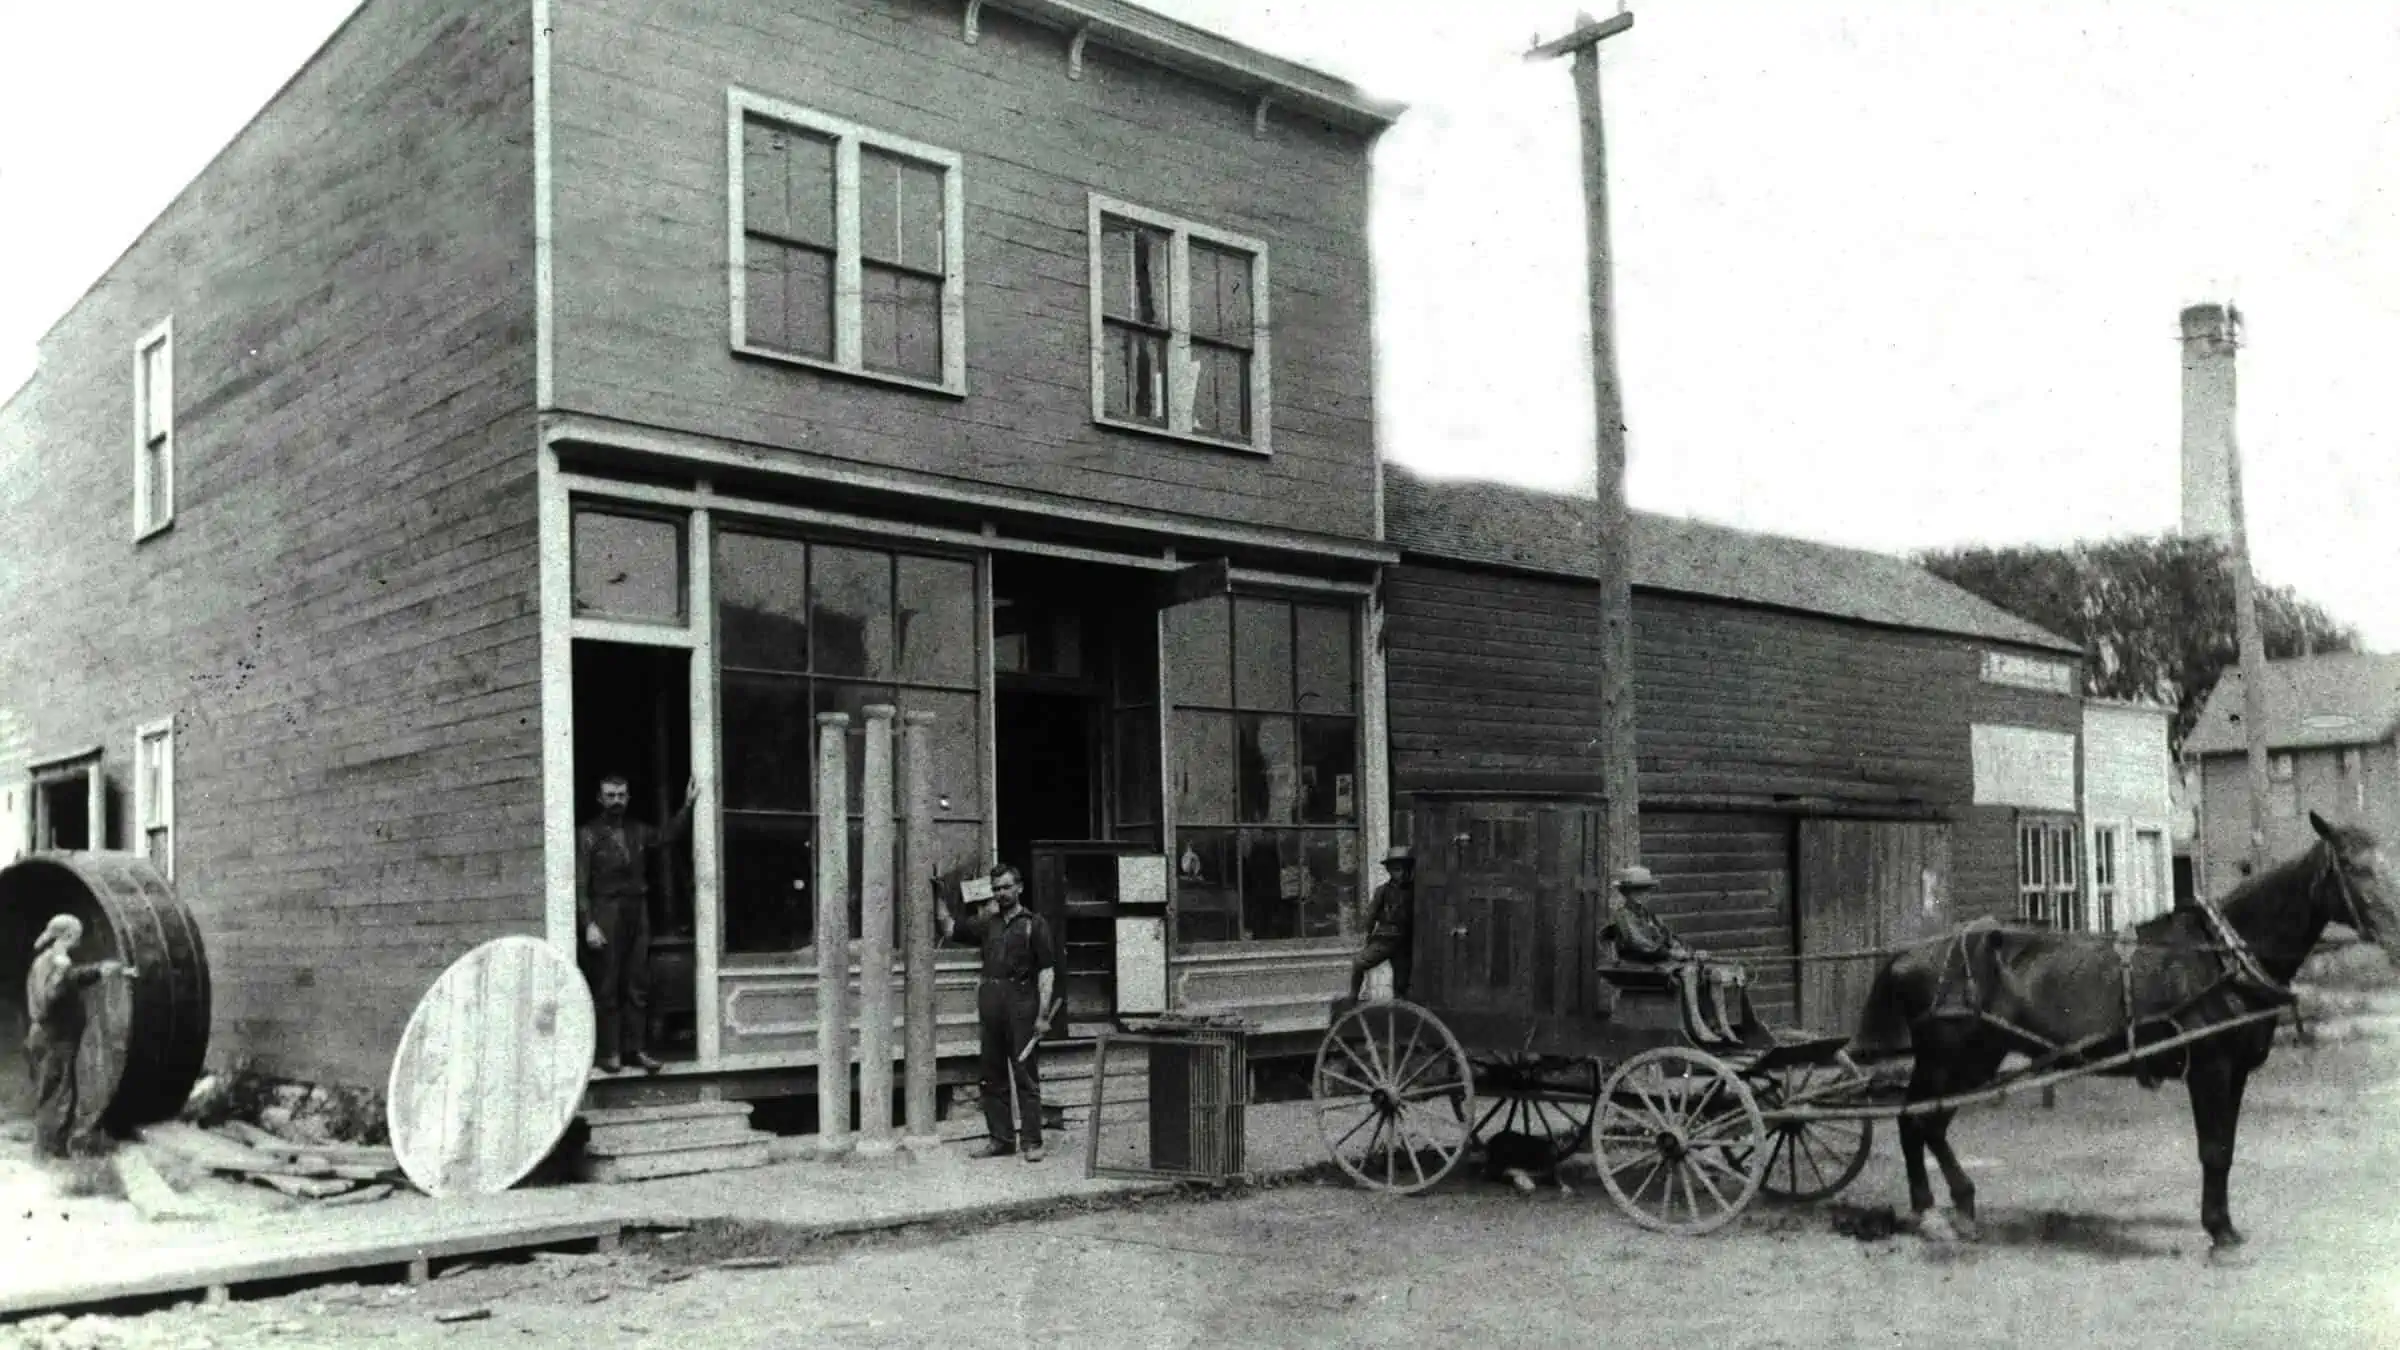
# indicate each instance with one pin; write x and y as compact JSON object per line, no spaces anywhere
{"x":2239,"y":970}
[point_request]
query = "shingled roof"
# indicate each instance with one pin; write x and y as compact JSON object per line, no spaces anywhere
{"x":2347,"y":699}
{"x":1468,"y":520}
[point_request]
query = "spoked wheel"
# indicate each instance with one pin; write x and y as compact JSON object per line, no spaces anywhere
{"x":1811,"y":1159}
{"x":1680,"y":1141}
{"x":1544,"y":1098}
{"x":1394,"y":1092}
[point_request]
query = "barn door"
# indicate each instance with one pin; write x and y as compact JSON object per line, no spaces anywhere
{"x":1864,"y":885}
{"x":1478,"y":887}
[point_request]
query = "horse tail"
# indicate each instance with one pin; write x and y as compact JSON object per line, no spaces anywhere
{"x":1883,"y":1022}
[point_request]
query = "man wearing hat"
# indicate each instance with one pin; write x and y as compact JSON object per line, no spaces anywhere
{"x":1020,"y":966}
{"x":1636,"y":932}
{"x":1391,"y":920}
{"x":54,"y":1030}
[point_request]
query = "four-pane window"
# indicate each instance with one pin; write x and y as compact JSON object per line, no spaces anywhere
{"x":1179,"y":326}
{"x":846,"y":247}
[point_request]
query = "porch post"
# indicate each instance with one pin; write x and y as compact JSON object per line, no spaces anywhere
{"x":833,"y":933}
{"x":875,"y":939}
{"x":916,"y":906}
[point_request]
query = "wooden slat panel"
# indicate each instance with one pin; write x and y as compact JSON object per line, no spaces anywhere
{"x":1725,"y":886}
{"x":491,"y":1068}
{"x":1865,"y":885}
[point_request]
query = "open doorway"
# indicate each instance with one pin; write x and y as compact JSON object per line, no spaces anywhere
{"x":633,"y":717}
{"x":1045,"y":747}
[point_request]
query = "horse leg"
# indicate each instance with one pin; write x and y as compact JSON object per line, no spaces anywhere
{"x":2216,"y":1090}
{"x":1962,"y":1188}
{"x":1924,"y":1082}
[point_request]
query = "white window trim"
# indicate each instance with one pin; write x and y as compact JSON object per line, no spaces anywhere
{"x":1179,"y":324}
{"x":848,"y":288}
{"x":162,"y":729}
{"x":149,"y":517}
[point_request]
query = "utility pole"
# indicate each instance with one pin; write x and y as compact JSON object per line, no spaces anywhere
{"x":1617,"y":753}
{"x":2251,"y":647}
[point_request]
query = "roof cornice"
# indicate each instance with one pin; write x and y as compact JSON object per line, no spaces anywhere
{"x":1208,"y":56}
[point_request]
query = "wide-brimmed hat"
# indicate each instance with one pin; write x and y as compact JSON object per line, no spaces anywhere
{"x":1636,"y":878}
{"x":1398,"y":857}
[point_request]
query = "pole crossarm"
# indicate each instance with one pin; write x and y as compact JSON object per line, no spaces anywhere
{"x":1588,"y":32}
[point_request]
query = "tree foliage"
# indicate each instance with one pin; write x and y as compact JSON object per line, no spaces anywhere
{"x":2153,"y":615}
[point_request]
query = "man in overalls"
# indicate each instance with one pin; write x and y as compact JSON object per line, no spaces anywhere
{"x":612,"y":912}
{"x":1020,"y":965}
{"x":1391,"y":921}
{"x":54,"y":1015}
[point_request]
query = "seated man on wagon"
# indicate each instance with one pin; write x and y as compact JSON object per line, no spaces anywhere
{"x":1391,"y":921}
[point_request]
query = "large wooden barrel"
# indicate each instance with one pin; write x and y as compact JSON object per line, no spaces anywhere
{"x":129,"y":914}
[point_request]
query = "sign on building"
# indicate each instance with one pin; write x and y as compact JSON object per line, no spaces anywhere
{"x":2023,"y":766}
{"x":2026,"y":672}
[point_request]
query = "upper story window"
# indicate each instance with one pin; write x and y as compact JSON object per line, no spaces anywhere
{"x":154,"y":431}
{"x":1179,"y":327}
{"x":154,"y":793}
{"x":847,"y":247}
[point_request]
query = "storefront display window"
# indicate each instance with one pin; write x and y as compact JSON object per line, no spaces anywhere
{"x":1265,"y":772}
{"x":806,"y":628}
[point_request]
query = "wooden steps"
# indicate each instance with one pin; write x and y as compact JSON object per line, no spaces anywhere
{"x":638,"y":1143}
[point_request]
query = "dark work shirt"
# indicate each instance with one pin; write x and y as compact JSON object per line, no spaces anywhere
{"x":1014,"y":950}
{"x":610,"y":867}
{"x":1393,"y":911}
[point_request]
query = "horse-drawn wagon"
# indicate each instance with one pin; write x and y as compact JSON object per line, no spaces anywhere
{"x":1530,"y":1023}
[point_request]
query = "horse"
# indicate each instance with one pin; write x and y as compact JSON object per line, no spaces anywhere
{"x":1963,"y":1002}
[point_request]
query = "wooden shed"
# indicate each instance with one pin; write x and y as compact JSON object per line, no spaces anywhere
{"x":1837,"y":748}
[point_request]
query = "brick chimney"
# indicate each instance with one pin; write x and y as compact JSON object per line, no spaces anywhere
{"x":2211,"y":335}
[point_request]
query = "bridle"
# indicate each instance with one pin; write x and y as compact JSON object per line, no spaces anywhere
{"x":2354,"y":913}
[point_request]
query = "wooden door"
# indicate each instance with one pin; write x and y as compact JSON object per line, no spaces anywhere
{"x":1509,"y":898}
{"x":1864,"y":885}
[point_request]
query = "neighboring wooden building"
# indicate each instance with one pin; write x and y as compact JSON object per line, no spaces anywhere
{"x":535,"y":390}
{"x":1838,"y":749}
{"x":2128,"y":813}
{"x":2333,"y":747}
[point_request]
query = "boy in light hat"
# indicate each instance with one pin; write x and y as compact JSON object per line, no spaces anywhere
{"x":54,"y":1017}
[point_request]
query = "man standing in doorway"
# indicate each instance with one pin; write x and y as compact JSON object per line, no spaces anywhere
{"x":1391,"y":922}
{"x":612,"y":913}
{"x":1020,"y":967}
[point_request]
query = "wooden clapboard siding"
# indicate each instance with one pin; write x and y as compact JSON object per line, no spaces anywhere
{"x":1737,"y":707}
{"x":1491,"y":673}
{"x":1725,"y":886}
{"x":342,"y":618}
{"x":639,"y":135}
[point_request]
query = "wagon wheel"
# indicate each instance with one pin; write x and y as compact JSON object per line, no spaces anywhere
{"x":1811,"y":1159}
{"x":1394,"y":1092}
{"x":1528,"y":1095}
{"x":1680,"y":1141}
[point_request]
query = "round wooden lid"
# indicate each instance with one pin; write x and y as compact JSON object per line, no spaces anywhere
{"x":491,"y":1068}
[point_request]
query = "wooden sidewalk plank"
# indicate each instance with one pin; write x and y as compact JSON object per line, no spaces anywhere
{"x":253,"y":1257}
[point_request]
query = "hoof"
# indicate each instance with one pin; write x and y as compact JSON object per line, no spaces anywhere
{"x":2229,"y":1255}
{"x":1934,"y":1226}
{"x":1967,"y":1229}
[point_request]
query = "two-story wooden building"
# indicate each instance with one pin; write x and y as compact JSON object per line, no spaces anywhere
{"x":1838,"y":750}
{"x":544,"y":388}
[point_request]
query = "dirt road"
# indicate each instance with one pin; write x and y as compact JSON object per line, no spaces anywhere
{"x":2092,"y":1240}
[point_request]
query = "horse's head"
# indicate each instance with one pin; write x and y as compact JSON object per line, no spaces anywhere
{"x":2358,"y":893}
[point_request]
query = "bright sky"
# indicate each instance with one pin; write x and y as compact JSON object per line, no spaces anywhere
{"x":1891,"y":274}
